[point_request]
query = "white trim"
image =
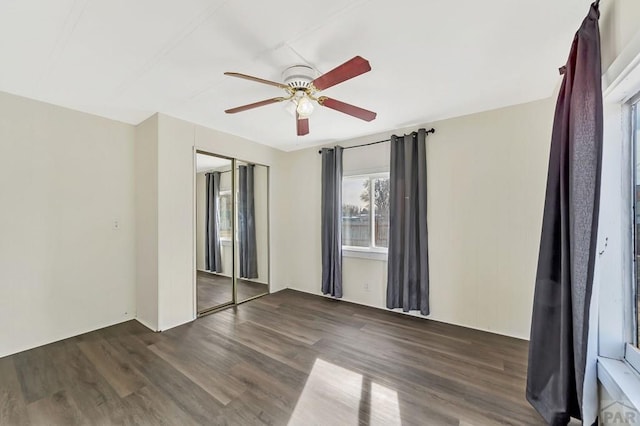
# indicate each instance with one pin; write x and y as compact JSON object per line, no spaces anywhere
{"x":624,"y":73}
{"x":414,"y":314}
{"x":364,"y":253}
{"x":143,"y":322}
{"x":620,"y":380}
{"x":630,"y":308}
{"x":616,"y":224}
{"x":632,"y":356}
{"x":372,"y":175}
{"x":194,"y":230}
{"x":621,"y":82}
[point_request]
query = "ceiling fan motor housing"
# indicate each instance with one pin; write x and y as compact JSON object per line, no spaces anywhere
{"x":298,"y":77}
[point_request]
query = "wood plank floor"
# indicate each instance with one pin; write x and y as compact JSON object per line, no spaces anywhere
{"x":286,"y":358}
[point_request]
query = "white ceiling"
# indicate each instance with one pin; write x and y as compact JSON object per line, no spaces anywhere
{"x":431,"y":59}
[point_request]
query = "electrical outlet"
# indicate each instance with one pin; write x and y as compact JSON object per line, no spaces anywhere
{"x":366,"y":286}
{"x":116,"y":224}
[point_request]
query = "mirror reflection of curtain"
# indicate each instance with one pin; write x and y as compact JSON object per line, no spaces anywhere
{"x":213,"y":258}
{"x":247,"y":223}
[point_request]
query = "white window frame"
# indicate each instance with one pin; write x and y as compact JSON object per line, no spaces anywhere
{"x":631,"y":352}
{"x":618,"y":358}
{"x":373,"y":251}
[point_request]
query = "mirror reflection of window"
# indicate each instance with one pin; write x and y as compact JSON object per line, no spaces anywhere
{"x":226,"y":215}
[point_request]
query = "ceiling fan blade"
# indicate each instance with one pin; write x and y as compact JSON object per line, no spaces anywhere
{"x":361,"y":113}
{"x":352,"y":68}
{"x":302,"y":125}
{"x":256,"y":79}
{"x":254,"y":105}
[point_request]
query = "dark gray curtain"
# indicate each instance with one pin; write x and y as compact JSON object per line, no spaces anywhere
{"x":247,"y":223}
{"x":408,"y":262}
{"x":560,"y":322}
{"x":332,"y":221}
{"x":212,"y":244}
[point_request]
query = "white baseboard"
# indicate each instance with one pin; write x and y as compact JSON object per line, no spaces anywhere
{"x":64,"y":336}
{"x":410,"y":314}
{"x":146,"y":325}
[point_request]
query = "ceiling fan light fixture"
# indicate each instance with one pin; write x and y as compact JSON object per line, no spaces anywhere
{"x":290,"y":107}
{"x":302,"y":87}
{"x":305,"y":107}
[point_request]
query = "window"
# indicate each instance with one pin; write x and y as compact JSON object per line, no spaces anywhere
{"x":619,"y":269}
{"x":226,"y":217}
{"x":365,"y":212}
{"x":635,"y":140}
{"x":632,"y":354}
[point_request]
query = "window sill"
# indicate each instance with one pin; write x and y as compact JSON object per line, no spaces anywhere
{"x":365,"y":254}
{"x":620,"y":380}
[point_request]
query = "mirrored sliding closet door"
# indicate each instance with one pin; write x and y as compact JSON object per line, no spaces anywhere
{"x":214,"y":232}
{"x":252,"y":236}
{"x":232,"y":231}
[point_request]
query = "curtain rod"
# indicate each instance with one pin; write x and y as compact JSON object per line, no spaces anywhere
{"x":228,"y":171}
{"x":431,"y":130}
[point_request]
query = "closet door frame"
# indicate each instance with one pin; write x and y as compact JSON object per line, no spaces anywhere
{"x":233,"y":301}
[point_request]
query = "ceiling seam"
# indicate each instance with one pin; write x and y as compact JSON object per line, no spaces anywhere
{"x":312,"y":29}
{"x":193,"y":25}
{"x":68,"y":29}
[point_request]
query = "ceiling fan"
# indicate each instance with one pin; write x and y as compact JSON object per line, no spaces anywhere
{"x":302,"y":90}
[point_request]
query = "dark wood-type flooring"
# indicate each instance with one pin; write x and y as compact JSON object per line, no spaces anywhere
{"x":214,"y":290}
{"x":286,"y":358}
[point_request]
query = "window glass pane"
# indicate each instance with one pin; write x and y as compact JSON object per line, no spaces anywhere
{"x":381,"y":206}
{"x":356,"y":224}
{"x":225,"y":211}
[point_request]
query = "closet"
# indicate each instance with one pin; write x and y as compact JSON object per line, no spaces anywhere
{"x":232,"y":231}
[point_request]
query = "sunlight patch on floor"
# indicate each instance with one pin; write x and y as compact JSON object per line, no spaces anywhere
{"x":335,"y":395}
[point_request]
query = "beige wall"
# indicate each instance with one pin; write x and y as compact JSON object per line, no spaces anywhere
{"x":65,"y":178}
{"x":619,"y":24}
{"x":176,"y":246}
{"x":146,"y":196}
{"x":487,"y":175}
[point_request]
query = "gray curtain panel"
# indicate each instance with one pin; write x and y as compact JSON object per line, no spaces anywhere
{"x":560,"y":322}
{"x":332,"y":221}
{"x":247,"y":223}
{"x":408,"y":262}
{"x":213,"y":260}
